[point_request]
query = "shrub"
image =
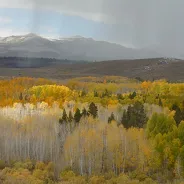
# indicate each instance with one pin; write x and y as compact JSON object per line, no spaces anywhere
{"x":2,"y":164}
{"x":96,"y":180}
{"x":67,"y":175}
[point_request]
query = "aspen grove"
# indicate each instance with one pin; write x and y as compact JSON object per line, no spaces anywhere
{"x":95,"y":130}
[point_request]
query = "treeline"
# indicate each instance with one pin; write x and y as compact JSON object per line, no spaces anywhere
{"x":92,"y":111}
{"x":31,"y":62}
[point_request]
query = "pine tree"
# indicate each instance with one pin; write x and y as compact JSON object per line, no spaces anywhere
{"x":21,"y":97}
{"x":93,"y":110}
{"x":160,"y":102}
{"x":178,"y":117}
{"x":140,"y":115}
{"x":70,"y":117}
{"x":95,"y":94}
{"x":124,"y":119}
{"x":135,"y":116}
{"x":77,"y":115}
{"x":84,"y":112}
{"x":111,"y":118}
{"x":64,"y":118}
{"x":133,"y":95}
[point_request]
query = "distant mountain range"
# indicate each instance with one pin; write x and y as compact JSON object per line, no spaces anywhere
{"x":73,"y":48}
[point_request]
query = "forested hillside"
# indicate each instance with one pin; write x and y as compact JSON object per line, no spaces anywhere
{"x":96,"y":130}
{"x":143,"y":69}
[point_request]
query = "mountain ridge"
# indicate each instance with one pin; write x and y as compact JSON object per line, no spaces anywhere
{"x":71,"y":48}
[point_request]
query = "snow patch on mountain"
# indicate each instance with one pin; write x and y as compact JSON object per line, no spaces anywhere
{"x":71,"y":48}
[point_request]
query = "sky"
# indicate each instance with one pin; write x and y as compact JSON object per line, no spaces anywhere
{"x":132,"y":23}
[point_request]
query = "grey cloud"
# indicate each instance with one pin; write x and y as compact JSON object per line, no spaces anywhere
{"x":136,"y":22}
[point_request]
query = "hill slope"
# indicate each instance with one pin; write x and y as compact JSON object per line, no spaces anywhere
{"x":158,"y":68}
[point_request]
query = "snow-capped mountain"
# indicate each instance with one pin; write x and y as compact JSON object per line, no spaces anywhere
{"x":15,"y":39}
{"x":72,"y":48}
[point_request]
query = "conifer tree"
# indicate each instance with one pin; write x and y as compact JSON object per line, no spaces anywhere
{"x":95,"y":93}
{"x":160,"y":102}
{"x":133,"y":95}
{"x":70,"y":117}
{"x":21,"y":96}
{"x":135,"y":116}
{"x":93,"y":110}
{"x":77,"y":115}
{"x":178,"y":117}
{"x":111,"y":118}
{"x":124,"y":119}
{"x":84,"y":112}
{"x":64,"y":118}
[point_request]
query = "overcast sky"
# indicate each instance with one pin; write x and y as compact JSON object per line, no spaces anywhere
{"x":135,"y":23}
